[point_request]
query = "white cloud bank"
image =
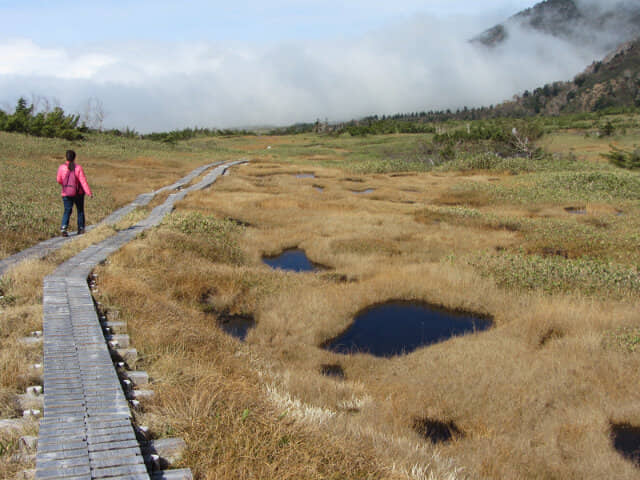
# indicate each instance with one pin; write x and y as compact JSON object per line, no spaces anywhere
{"x":420,"y":64}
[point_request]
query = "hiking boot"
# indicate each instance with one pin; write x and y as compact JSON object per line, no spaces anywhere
{"x":64,"y":233}
{"x":80,"y":231}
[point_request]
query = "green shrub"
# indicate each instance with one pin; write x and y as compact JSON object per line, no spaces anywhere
{"x":607,"y":129}
{"x":624,"y":159}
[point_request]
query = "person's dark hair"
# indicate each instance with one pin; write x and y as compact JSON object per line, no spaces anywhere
{"x":71,"y":155}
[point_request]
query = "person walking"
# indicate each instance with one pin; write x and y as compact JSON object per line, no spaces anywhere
{"x":74,"y":187}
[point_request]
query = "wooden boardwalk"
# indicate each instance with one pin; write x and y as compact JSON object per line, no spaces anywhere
{"x":86,"y":431}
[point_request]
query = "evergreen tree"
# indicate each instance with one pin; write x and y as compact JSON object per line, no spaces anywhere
{"x":42,"y":124}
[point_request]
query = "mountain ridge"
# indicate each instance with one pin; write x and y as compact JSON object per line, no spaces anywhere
{"x":575,"y":21}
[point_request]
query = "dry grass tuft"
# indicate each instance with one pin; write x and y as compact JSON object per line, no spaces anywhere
{"x":21,"y":316}
{"x":13,"y":461}
{"x":461,"y":196}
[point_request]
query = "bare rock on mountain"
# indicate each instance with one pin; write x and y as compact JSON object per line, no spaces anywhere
{"x":613,"y":82}
{"x":602,"y":24}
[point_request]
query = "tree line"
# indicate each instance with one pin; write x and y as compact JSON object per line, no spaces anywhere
{"x":53,"y":123}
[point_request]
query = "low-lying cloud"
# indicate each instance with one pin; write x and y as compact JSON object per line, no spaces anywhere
{"x":420,"y":64}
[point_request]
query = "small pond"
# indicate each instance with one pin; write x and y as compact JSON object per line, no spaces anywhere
{"x":576,"y":210}
{"x":399,"y":327}
{"x":294,"y":260}
{"x":626,"y":440}
{"x":363,"y":192}
{"x":306,"y":175}
{"x":236,"y":325}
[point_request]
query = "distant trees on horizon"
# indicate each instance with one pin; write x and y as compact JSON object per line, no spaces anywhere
{"x":52,"y":123}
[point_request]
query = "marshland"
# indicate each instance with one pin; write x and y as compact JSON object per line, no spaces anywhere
{"x":547,"y":390}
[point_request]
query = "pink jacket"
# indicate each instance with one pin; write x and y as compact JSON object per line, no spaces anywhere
{"x":65,"y":175}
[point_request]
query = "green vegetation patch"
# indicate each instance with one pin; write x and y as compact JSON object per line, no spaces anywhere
{"x":608,"y":239}
{"x":492,"y":162}
{"x":6,"y":298}
{"x":370,"y":154}
{"x":205,"y":235}
{"x":626,"y":339}
{"x":624,"y":159}
{"x":26,"y":204}
{"x":196,"y":222}
{"x":559,"y":275}
{"x":30,"y":202}
{"x":600,"y":185}
{"x":568,"y":186}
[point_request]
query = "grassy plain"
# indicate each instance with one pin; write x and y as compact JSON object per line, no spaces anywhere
{"x":534,"y":397}
{"x":117,"y":169}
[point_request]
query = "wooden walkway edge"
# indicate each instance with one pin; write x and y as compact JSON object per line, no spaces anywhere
{"x":86,"y":431}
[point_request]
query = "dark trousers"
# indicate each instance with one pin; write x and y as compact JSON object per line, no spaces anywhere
{"x":69,"y":202}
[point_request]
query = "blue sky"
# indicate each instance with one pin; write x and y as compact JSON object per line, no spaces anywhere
{"x":159,"y":65}
{"x":65,"y":22}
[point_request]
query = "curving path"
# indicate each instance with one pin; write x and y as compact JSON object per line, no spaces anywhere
{"x":86,"y":431}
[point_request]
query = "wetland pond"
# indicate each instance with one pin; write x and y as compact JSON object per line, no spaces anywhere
{"x":626,"y":440}
{"x":400,"y":327}
{"x":576,"y":210}
{"x":363,"y":192}
{"x":294,"y":260}
{"x":236,"y":325}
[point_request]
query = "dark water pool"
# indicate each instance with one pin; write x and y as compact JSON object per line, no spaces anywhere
{"x":291,"y":260}
{"x":397,"y":328}
{"x":236,"y":325}
{"x":436,"y":431}
{"x":626,"y":440}
{"x":576,"y":210}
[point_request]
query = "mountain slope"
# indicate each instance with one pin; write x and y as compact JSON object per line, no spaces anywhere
{"x":575,"y":21}
{"x":612,"y":82}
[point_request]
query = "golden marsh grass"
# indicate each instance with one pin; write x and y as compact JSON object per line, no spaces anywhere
{"x":534,"y":397}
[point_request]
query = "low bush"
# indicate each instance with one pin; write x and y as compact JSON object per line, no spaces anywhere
{"x":624,"y":159}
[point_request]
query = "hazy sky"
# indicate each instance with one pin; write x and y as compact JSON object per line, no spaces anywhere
{"x":158,"y":65}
